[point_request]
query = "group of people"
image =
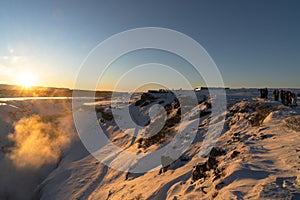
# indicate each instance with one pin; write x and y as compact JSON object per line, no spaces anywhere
{"x":263,"y":93}
{"x":288,"y":98}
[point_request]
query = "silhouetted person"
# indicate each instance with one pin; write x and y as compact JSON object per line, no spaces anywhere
{"x":282,"y":96}
{"x":261,"y":93}
{"x":293,"y":100}
{"x":286,"y":98}
{"x":289,"y":98}
{"x":276,"y":94}
{"x":266,"y":92}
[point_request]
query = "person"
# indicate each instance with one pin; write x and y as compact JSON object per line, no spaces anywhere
{"x":285,"y":98}
{"x":282,"y":96}
{"x":266,"y":93}
{"x":293,"y":100}
{"x":261,"y":93}
{"x":289,"y":98}
{"x":276,"y":94}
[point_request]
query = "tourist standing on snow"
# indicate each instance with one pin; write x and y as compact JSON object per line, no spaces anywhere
{"x":285,"y":100}
{"x":289,"y":98}
{"x":282,"y":96}
{"x":261,"y":93}
{"x":276,"y":95}
{"x":293,"y":100}
{"x":266,"y":93}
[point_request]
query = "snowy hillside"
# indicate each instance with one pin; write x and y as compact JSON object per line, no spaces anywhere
{"x":257,"y":155}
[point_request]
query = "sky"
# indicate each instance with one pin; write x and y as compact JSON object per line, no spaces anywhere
{"x":253,"y":43}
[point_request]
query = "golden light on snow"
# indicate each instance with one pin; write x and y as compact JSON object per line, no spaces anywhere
{"x":26,"y":80}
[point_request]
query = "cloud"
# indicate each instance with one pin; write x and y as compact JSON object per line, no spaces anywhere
{"x":4,"y":57}
{"x":12,"y":59}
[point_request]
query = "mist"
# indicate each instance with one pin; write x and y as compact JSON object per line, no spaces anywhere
{"x":36,"y":148}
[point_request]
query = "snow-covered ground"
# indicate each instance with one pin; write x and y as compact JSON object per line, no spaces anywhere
{"x":257,"y":155}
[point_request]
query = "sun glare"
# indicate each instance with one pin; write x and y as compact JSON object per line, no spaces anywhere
{"x":26,"y":80}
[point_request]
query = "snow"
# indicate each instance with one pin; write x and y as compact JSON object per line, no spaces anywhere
{"x":260,"y":139}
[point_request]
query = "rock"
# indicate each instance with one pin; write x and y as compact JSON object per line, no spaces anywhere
{"x":184,"y":158}
{"x":263,"y":136}
{"x":204,"y":113}
{"x":234,"y":154}
{"x":212,"y":163}
{"x":214,"y":152}
{"x":199,"y":171}
{"x":139,"y":102}
{"x":147,"y":96}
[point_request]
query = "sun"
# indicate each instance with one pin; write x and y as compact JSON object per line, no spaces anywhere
{"x":26,"y":80}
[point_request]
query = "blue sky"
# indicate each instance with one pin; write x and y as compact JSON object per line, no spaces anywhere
{"x":253,"y":43}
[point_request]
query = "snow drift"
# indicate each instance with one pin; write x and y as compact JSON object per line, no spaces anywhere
{"x":255,"y":157}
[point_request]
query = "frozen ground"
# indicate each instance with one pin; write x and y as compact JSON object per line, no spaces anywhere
{"x":257,"y":156}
